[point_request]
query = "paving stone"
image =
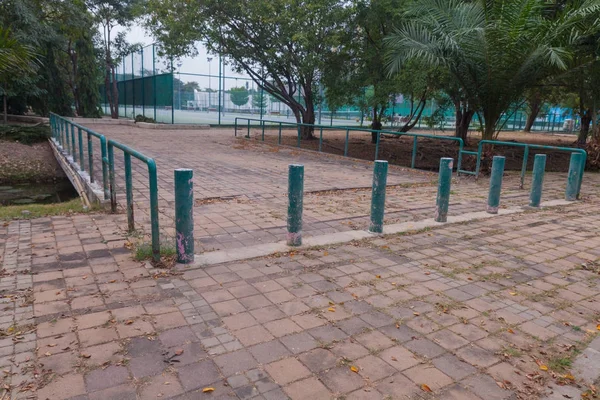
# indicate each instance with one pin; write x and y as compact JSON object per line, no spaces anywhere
{"x":477,"y":356}
{"x":399,"y":358}
{"x":309,"y":388}
{"x":374,"y":341}
{"x":318,"y":360}
{"x":63,"y":387}
{"x":424,"y":348}
{"x":161,"y":386}
{"x":270,"y":351}
{"x":93,"y":336}
{"x":374,"y":368}
{"x":105,"y":378}
{"x":287,"y":370}
{"x":198,"y":375}
{"x":432,"y":377}
{"x":453,"y":367}
{"x":150,"y":364}
{"x":299,"y":342}
{"x":235,"y":362}
{"x":253,"y":335}
{"x":486,"y":388}
{"x":121,"y":392}
{"x":398,"y":386}
{"x":341,"y":380}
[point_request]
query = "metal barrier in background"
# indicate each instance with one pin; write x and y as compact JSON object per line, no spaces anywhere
{"x":63,"y":132}
{"x":528,"y":146}
{"x":153,"y":186}
{"x":279,"y":124}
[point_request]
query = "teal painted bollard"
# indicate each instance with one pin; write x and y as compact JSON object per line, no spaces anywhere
{"x":539,"y":166}
{"x":443,"y":194}
{"x":295,"y":198}
{"x":184,"y":215}
{"x":378,"y":196}
{"x":575,"y":168}
{"x":495,"y":184}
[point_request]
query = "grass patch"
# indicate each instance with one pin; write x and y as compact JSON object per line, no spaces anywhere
{"x":168,"y":254}
{"x":560,"y":364}
{"x":25,"y":134}
{"x":15,"y":212}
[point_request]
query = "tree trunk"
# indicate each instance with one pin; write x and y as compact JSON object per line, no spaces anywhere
{"x":115,"y":94}
{"x":535,"y":106}
{"x":108,"y":92}
{"x":375,"y":125}
{"x":308,"y":117}
{"x":463,"y":121}
{"x":411,"y":123}
{"x":584,"y":130}
{"x":5,"y":105}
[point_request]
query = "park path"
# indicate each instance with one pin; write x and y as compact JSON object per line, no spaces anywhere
{"x":240,"y":187}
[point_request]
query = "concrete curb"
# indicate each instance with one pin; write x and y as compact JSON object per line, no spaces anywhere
{"x":94,"y":191}
{"x":143,"y":125}
{"x":262,"y":250}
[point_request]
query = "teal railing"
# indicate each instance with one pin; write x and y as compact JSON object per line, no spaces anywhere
{"x":63,"y":132}
{"x":264,"y":123}
{"x":528,"y":146}
{"x":153,"y":186}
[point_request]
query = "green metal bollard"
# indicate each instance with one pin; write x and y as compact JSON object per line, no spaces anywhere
{"x":129,"y":192}
{"x":378,"y":196}
{"x":153,"y":182}
{"x":539,"y":165}
{"x":80,"y":137}
{"x":295,"y":195}
{"x":377,"y":145}
{"x":495,"y":184}
{"x":184,"y":215}
{"x":574,"y":177}
{"x":443,"y":194}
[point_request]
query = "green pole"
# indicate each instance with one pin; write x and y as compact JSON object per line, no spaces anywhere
{"x":111,"y":178}
{"x":299,"y":135}
{"x":320,"y":136}
{"x":262,"y":123}
{"x":132,"y":85}
{"x":443,"y":195}
{"x":90,"y":156}
{"x":105,"y":164}
{"x":413,"y":160}
{"x":539,"y":165}
{"x":583,"y":162}
{"x":574,"y":177}
{"x":129,"y":192}
{"x":295,"y":194}
{"x":495,"y":184}
{"x":346,"y":143}
{"x":184,"y":215}
{"x":154,"y":80}
{"x":377,"y":145}
{"x":80,"y":137}
{"x":220,"y":83}
{"x":68,"y":141}
{"x":279,"y":138}
{"x":143,"y":84}
{"x":378,"y":196}
{"x":153,"y":182}
{"x":73,"y":148}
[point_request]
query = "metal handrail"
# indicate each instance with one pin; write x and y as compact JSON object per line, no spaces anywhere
{"x":349,"y":129}
{"x":528,"y":146}
{"x":153,"y":186}
{"x":60,"y":127}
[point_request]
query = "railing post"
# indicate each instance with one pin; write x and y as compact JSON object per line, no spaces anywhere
{"x":73,"y":147}
{"x":279,"y":138}
{"x":299,"y":135}
{"x":80,"y":137}
{"x":129,"y":192}
{"x":320,"y":138}
{"x":524,"y":167}
{"x":495,"y":184}
{"x":184,"y":215}
{"x":583,"y":162}
{"x":111,"y":173}
{"x":539,"y":165}
{"x":234,"y":125}
{"x":295,"y":199}
{"x":413,"y":161}
{"x":443,"y":194}
{"x":67,"y":139}
{"x":377,"y":145}
{"x":153,"y":181}
{"x":262,"y":124}
{"x":378,"y":196}
{"x":90,"y":156}
{"x":346,"y":143}
{"x":574,"y":177}
{"x":105,"y":165}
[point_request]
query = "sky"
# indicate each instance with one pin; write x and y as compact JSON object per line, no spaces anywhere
{"x":196,"y":65}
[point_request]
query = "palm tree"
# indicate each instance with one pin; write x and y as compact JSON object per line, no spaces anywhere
{"x":15,"y":59}
{"x":493,"y":49}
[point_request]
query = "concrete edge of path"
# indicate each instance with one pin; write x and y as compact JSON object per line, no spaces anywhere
{"x":262,"y":250}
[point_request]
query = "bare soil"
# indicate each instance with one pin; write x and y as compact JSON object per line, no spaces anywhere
{"x":398,"y":150}
{"x":24,"y":163}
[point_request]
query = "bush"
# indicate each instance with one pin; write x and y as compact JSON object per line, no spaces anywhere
{"x":143,"y":118}
{"x":25,"y":134}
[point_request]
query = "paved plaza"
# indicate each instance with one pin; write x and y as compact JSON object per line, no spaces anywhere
{"x":500,"y":308}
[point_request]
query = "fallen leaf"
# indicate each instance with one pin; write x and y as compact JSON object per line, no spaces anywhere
{"x":426,"y":388}
{"x":331,"y":303}
{"x":85,"y":355}
{"x":84,"y":277}
{"x":354,"y":369}
{"x":570,"y":377}
{"x":510,"y":331}
{"x":208,"y":390}
{"x":52,"y":345}
{"x":47,"y":353}
{"x":397,"y":326}
{"x":325,"y":254}
{"x":129,"y":322}
{"x":112,"y":281}
{"x":378,"y":276}
{"x":394,"y":358}
{"x":598,"y":327}
{"x":543,"y":367}
{"x":331,"y":309}
{"x":178,"y":352}
{"x":501,"y":384}
{"x":513,"y":293}
{"x":416,"y":313}
{"x":393,"y":283}
{"x":427,"y":273}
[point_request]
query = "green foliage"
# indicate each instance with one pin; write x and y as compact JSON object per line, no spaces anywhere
{"x":8,"y":213}
{"x":494,"y":50}
{"x":24,"y":134}
{"x":259,"y":101}
{"x":239,"y":96}
{"x":142,"y":118}
{"x":280,"y":44}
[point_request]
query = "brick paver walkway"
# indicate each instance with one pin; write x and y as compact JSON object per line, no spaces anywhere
{"x":240,"y":187}
{"x":468,"y":311}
